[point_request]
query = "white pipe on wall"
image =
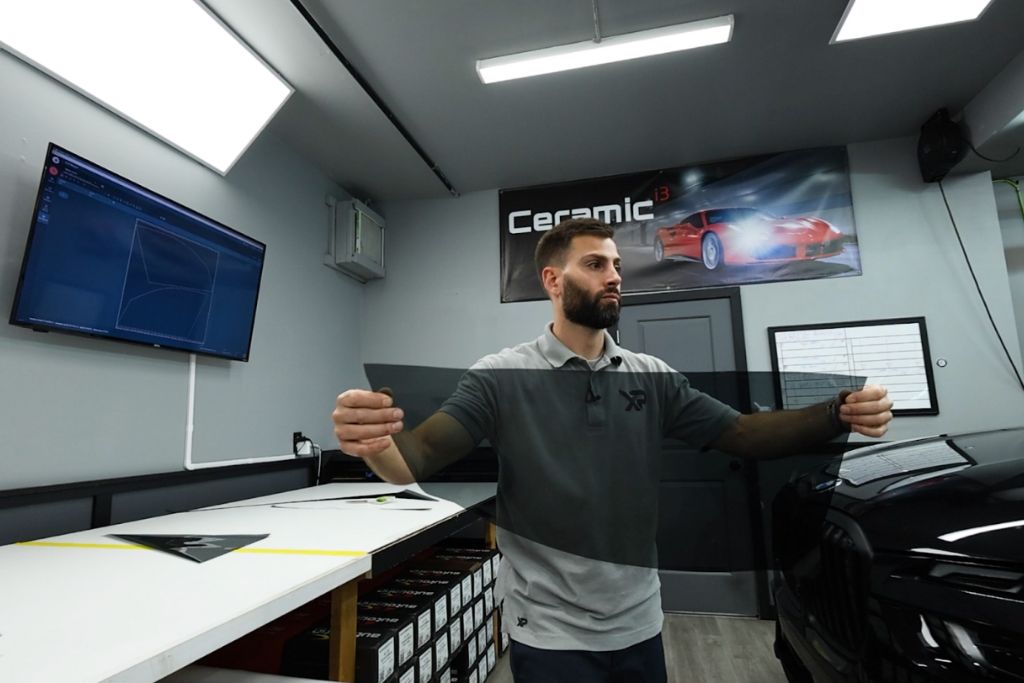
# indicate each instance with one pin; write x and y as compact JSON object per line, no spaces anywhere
{"x":190,"y":410}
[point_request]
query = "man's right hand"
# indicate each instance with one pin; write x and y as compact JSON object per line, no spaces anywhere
{"x":364,"y":422}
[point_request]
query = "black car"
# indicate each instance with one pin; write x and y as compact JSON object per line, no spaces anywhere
{"x":905,"y":562}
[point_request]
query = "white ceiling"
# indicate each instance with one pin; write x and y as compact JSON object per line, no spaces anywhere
{"x":777,"y":86}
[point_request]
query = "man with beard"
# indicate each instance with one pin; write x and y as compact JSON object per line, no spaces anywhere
{"x":577,"y":424}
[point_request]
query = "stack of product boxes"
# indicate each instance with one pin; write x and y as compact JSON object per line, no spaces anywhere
{"x":474,"y":568}
{"x":434,"y":622}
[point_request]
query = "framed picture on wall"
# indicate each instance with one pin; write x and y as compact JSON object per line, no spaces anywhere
{"x":769,"y":218}
{"x":811,"y":363}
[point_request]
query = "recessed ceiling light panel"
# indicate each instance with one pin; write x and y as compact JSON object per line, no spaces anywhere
{"x":168,"y":66}
{"x":865,"y":18}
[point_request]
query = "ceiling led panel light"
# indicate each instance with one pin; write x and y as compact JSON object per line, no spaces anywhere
{"x":865,"y":18}
{"x":655,"y":41}
{"x":168,"y":66}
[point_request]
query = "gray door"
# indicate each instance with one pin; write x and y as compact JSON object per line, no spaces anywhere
{"x":705,"y":545}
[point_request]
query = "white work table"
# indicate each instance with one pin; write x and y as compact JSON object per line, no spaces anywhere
{"x":84,"y":607}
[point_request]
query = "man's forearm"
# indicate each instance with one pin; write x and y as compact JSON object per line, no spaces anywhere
{"x":782,"y":432}
{"x":390,"y":466}
{"x":416,"y":455}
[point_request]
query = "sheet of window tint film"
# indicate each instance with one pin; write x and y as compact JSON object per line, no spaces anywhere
{"x":862,"y":467}
{"x":891,"y":355}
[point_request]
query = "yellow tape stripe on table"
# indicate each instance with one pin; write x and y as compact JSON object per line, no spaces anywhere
{"x":255,"y":551}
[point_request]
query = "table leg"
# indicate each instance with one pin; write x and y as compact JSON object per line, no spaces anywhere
{"x":343,"y":632}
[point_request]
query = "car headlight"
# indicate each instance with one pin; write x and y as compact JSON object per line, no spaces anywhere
{"x":975,"y":576}
{"x":926,"y":564}
{"x":980,"y":647}
{"x":943,"y":645}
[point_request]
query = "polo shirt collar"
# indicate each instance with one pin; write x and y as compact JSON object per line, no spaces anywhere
{"x":558,"y":354}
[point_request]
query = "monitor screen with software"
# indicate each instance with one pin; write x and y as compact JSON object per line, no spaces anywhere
{"x":107,"y":257}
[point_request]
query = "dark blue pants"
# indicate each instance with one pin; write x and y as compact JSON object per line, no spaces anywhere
{"x":641,"y":663}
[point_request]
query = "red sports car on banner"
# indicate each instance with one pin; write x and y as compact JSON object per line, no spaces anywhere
{"x":746,"y":236}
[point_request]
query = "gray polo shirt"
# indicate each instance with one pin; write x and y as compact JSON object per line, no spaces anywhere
{"x":579,"y":452}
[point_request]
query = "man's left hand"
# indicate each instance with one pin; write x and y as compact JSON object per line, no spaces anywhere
{"x":868,"y":411}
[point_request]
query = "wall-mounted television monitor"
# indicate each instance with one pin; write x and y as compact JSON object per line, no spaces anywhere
{"x":812,"y":363}
{"x":107,"y":257}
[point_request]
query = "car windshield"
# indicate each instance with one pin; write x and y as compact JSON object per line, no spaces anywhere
{"x":737,"y":215}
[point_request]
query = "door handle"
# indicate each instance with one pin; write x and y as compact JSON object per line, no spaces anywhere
{"x":735,"y":465}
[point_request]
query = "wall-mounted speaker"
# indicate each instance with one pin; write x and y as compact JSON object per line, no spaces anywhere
{"x":943,"y":143}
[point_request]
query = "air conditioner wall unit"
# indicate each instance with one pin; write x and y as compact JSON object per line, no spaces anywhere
{"x":355,"y":240}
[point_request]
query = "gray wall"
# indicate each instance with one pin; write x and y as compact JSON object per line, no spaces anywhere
{"x":440,"y":304}
{"x":74,"y":408}
{"x":1012,"y":224}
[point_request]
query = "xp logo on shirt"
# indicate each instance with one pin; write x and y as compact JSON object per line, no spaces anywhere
{"x":636,"y":399}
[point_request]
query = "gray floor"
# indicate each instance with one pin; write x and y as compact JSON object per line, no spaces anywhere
{"x":706,"y":649}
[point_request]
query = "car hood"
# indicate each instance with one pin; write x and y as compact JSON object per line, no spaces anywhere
{"x":961,"y":495}
{"x":783,"y":226}
{"x":797,"y":223}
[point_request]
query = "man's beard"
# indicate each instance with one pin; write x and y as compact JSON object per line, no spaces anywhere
{"x":586,"y":310}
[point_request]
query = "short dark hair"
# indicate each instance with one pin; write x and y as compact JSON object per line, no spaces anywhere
{"x":554,"y":245}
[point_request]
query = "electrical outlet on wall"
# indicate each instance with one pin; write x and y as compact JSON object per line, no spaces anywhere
{"x":301,"y":445}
